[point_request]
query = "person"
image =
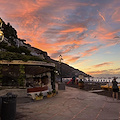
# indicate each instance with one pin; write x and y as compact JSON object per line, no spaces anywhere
{"x":73,"y":79}
{"x":115,"y":88}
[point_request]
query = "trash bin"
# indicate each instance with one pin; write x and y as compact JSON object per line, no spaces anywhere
{"x":61,"y":86}
{"x":8,"y":110}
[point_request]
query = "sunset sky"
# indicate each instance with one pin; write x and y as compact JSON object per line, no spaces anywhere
{"x":85,"y":32}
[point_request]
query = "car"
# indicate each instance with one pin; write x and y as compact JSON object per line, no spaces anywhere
{"x":109,"y":86}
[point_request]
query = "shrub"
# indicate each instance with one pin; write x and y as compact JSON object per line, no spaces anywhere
{"x":41,"y":94}
{"x":16,"y":56}
{"x":49,"y":93}
{"x":54,"y":91}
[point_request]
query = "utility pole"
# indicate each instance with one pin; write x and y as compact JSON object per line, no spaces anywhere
{"x":61,"y":84}
{"x":60,"y":60}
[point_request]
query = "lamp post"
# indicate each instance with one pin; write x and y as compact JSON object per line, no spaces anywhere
{"x":61,"y":84}
{"x":1,"y":32}
{"x":60,"y":60}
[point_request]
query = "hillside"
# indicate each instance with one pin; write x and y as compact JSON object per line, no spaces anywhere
{"x":14,"y":48}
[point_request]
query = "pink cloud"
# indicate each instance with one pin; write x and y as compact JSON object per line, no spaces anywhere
{"x":116,"y":16}
{"x":105,"y":35}
{"x":103,"y":64}
{"x":101,"y":15}
{"x":75,"y":30}
{"x":109,"y":71}
{"x":70,"y":58}
{"x":90,"y":51}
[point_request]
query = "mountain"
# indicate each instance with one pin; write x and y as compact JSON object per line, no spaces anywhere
{"x":13,"y":46}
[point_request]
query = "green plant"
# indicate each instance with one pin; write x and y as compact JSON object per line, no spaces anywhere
{"x":40,"y":94}
{"x":49,"y":93}
{"x":17,"y":56}
{"x":24,"y":50}
{"x":81,"y":81}
{"x":3,"y":44}
{"x":21,"y":79}
{"x":54,"y":91}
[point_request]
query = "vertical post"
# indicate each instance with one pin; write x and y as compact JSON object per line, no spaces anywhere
{"x":53,"y":79}
{"x":60,"y":60}
{"x":1,"y":75}
{"x":61,"y":85}
{"x":25,"y":77}
{"x":61,"y":72}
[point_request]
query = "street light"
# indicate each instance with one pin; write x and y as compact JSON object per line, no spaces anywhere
{"x":61,"y":84}
{"x":1,"y":32}
{"x":60,"y":60}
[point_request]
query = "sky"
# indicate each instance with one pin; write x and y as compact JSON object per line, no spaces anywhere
{"x":85,"y":32}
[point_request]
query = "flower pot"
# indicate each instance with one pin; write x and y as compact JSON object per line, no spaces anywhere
{"x":54,"y":94}
{"x":49,"y":95}
{"x":39,"y":97}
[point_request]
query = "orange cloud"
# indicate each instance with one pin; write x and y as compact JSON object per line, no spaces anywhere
{"x":71,"y":59}
{"x":103,"y":64}
{"x":109,"y":71}
{"x":90,"y":51}
{"x":101,"y":15}
{"x":116,"y":16}
{"x":74,"y":30}
{"x":95,"y":72}
{"x":105,"y":35}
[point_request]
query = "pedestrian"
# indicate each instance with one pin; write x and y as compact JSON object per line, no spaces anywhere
{"x":115,"y":88}
{"x":73,"y":79}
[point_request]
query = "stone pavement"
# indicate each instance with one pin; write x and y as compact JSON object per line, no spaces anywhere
{"x":71,"y":104}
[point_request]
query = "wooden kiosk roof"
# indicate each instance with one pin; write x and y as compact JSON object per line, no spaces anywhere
{"x":36,"y":63}
{"x":31,"y":67}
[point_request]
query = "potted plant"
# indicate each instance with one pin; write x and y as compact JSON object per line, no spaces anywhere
{"x":54,"y":92}
{"x":81,"y":84}
{"x":49,"y":94}
{"x":40,"y":96}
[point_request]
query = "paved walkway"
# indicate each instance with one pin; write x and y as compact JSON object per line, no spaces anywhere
{"x":71,"y":104}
